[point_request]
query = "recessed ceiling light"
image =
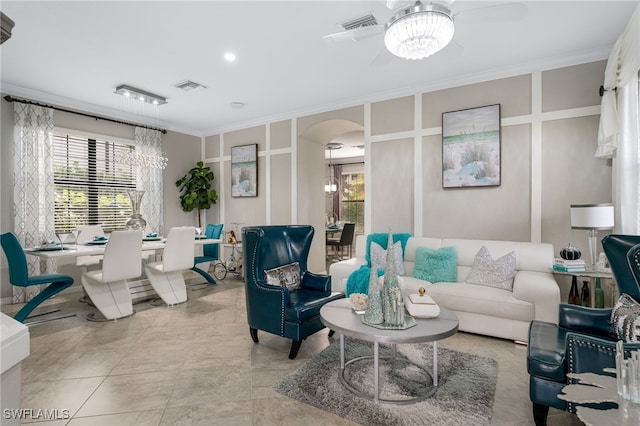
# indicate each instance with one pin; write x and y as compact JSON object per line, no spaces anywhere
{"x":237,"y":105}
{"x":230,"y":56}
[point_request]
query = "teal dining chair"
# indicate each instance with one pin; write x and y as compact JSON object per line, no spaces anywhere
{"x":211,"y":252}
{"x":19,"y":276}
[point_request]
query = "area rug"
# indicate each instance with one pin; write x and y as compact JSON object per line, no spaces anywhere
{"x":465,"y":393}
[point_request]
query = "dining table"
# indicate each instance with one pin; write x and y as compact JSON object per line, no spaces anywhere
{"x":140,"y":289}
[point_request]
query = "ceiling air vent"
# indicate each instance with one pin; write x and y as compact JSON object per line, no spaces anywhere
{"x":363,"y":21}
{"x":188,"y":85}
{"x":6,"y":25}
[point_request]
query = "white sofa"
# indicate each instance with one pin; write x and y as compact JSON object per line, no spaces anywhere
{"x":480,"y":309}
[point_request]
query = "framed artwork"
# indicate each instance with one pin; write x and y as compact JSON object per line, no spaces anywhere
{"x":471,"y":147}
{"x":244,"y":170}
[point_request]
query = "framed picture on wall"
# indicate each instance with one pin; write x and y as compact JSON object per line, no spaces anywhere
{"x":471,"y":147}
{"x":244,"y":170}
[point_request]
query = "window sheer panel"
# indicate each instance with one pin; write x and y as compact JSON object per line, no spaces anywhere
{"x":91,"y":183}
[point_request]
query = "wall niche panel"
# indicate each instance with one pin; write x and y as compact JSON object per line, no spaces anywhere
{"x":392,"y":186}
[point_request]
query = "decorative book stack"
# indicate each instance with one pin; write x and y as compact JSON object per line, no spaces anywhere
{"x":565,"y":265}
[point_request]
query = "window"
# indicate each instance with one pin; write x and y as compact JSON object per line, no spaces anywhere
{"x":352,"y":199}
{"x":90,"y":183}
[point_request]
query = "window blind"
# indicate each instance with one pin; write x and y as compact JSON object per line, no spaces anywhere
{"x":91,"y":183}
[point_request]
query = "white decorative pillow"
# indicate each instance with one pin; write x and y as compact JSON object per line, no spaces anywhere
{"x":379,"y":257}
{"x":286,"y":276}
{"x":493,"y":273}
{"x":625,"y":319}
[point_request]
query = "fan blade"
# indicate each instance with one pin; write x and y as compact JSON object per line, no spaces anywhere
{"x":356,"y":34}
{"x":509,"y":12}
{"x":384,"y":57}
{"x":397,"y":4}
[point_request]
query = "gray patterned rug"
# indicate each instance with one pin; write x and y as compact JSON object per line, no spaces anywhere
{"x":467,"y":385}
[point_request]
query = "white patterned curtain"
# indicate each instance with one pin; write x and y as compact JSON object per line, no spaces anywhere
{"x":619,"y":132}
{"x":33,"y":190}
{"x":149,"y":142}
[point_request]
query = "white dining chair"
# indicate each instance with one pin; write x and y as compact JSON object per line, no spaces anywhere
{"x":166,"y":276}
{"x":86,"y":233}
{"x":107,"y":287}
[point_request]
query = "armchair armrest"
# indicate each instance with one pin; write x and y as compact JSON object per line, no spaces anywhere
{"x":595,"y":322}
{"x":317,"y":282}
{"x":270,"y":294}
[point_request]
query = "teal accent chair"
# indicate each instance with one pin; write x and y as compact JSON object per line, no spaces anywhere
{"x":584,"y":340}
{"x":211,"y":252}
{"x":273,"y":308}
{"x":19,"y":276}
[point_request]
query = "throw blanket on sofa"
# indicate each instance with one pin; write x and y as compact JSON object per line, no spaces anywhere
{"x":358,"y":281}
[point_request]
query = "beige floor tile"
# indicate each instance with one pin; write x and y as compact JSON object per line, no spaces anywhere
{"x":138,"y":418}
{"x":129,"y":393}
{"x":195,"y":364}
{"x":68,"y":394}
{"x":229,"y":413}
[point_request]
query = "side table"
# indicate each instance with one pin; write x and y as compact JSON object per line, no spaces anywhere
{"x":592,"y":275}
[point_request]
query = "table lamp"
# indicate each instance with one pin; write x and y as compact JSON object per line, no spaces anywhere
{"x":593,"y":217}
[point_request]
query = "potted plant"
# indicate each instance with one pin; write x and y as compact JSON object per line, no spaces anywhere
{"x":195,"y":190}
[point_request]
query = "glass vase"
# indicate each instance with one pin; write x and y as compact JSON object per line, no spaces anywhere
{"x":598,"y":294}
{"x":585,"y":296}
{"x":574,"y":295}
{"x":135,"y":222}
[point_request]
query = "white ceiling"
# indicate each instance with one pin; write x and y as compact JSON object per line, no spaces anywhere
{"x":74,"y":54}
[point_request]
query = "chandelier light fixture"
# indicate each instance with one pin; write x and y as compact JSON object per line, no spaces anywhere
{"x":419,"y":31}
{"x":139,"y":159}
{"x":331,"y":184}
{"x":140,"y":95}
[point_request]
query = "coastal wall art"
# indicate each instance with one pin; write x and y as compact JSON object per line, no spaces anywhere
{"x":244,"y":171}
{"x":471,"y":147}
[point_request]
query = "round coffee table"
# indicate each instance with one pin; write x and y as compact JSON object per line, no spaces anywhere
{"x":339,"y":317}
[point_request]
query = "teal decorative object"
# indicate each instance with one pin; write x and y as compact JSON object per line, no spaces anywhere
{"x":373,"y":315}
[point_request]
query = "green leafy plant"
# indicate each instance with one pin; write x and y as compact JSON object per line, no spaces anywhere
{"x":195,"y":189}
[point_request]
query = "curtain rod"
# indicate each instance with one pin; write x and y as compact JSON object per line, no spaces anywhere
{"x":9,"y":98}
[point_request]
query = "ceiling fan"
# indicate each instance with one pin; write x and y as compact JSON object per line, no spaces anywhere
{"x":417,"y":30}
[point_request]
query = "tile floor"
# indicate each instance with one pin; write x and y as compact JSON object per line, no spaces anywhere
{"x":195,"y":364}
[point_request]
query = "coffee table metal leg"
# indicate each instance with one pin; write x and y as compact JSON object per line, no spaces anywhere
{"x":435,"y":363}
{"x":376,"y":371}
{"x":342,"y":352}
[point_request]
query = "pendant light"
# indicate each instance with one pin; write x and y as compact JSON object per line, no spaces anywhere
{"x":331,"y":183}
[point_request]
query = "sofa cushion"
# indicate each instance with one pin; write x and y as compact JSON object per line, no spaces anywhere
{"x":493,"y":273}
{"x":440,"y":265}
{"x":625,"y":319}
{"x":379,"y":257}
{"x":286,"y":276}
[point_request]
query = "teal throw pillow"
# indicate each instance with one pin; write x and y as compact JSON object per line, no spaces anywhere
{"x":436,"y":266}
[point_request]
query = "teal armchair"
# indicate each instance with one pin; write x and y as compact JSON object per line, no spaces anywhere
{"x":274,"y":308}
{"x":584,"y":340}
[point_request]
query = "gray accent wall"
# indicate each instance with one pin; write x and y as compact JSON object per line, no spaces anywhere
{"x":549,"y":128}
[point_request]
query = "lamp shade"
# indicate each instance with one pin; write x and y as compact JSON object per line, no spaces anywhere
{"x":592,"y":216}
